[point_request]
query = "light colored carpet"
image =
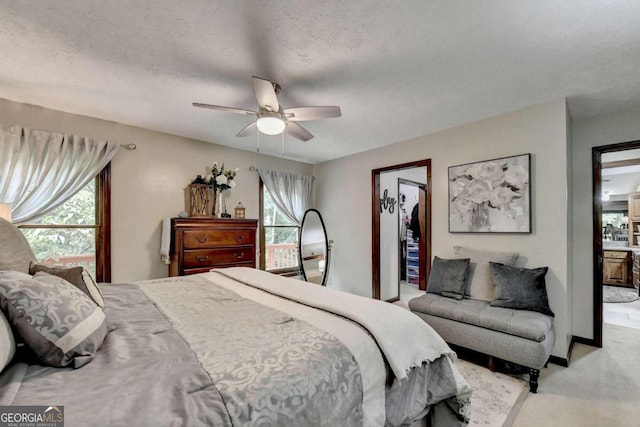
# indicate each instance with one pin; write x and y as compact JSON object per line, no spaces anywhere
{"x":496,"y":397}
{"x":600,"y":388}
{"x":611,"y":294}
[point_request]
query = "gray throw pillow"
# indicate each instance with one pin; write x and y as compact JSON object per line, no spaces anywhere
{"x":56,"y":320}
{"x":520,"y":288}
{"x":480,"y":284}
{"x":77,"y":276}
{"x":448,"y":277}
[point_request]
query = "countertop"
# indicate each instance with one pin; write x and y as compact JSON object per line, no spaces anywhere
{"x":620,"y":248}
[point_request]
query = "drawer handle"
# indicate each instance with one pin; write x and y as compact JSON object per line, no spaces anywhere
{"x":202,"y":239}
{"x":238,"y":255}
{"x":239,"y":237}
{"x":202,"y":258}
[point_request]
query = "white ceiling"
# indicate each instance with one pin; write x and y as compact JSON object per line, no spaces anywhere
{"x":619,"y":182}
{"x":398,"y":69}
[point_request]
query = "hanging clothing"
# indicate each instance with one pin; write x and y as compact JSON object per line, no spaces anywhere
{"x":414,"y":225}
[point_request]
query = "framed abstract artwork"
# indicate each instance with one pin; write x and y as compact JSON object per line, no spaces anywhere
{"x":492,"y":196}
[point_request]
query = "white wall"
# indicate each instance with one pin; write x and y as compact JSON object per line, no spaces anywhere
{"x":344,"y":198}
{"x":148,"y":184}
{"x":593,"y":132}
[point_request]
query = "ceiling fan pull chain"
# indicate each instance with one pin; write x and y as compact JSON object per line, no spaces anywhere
{"x":282,"y":144}
{"x":258,"y":148}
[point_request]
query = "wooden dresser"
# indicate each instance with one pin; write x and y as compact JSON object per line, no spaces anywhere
{"x":617,"y":268}
{"x":199,"y":244}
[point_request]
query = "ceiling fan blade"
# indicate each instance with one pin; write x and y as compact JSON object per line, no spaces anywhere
{"x":265,"y":94}
{"x":300,"y":114}
{"x":297,"y":131}
{"x":248,"y":129}
{"x":227,"y":109}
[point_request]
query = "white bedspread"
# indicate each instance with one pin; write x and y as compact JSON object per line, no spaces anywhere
{"x":417,"y":343}
{"x":358,"y":342}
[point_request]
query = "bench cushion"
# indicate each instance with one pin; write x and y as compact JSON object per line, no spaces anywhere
{"x":522,"y":323}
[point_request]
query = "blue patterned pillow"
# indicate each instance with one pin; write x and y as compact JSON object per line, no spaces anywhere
{"x":56,"y":320}
{"x":520,"y":288}
{"x":448,"y":277}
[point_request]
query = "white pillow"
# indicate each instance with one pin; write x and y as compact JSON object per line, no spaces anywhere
{"x":480,"y":284}
{"x":7,"y":342}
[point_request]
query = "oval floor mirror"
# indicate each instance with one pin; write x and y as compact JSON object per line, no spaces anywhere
{"x":314,"y":248}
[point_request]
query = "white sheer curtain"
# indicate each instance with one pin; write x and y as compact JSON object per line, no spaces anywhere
{"x":40,"y":170}
{"x":290,"y":192}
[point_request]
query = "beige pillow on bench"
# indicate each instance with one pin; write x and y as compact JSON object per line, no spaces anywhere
{"x":480,"y":284}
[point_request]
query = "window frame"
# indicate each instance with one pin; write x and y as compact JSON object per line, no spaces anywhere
{"x":102,"y":226}
{"x":289,"y":271}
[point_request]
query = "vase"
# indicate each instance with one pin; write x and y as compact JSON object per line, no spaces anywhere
{"x":480,"y":217}
{"x":221,"y":207}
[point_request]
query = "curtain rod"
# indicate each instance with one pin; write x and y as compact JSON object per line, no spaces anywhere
{"x":129,"y":147}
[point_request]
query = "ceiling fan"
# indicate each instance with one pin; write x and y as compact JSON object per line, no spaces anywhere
{"x":271,"y":118}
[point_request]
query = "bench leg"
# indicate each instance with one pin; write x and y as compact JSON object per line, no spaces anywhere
{"x":533,"y":380}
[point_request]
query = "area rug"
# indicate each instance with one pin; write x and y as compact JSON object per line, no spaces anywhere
{"x":618,"y":294}
{"x":496,"y":397}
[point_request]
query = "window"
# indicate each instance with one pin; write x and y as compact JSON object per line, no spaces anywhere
{"x":76,"y":232}
{"x":279,"y":237}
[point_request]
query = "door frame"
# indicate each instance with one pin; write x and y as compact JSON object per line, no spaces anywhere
{"x":596,"y":161}
{"x":375,"y":219}
{"x":422,"y":215}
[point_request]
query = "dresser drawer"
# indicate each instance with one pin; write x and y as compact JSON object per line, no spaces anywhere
{"x":216,"y":257}
{"x":207,"y":269}
{"x":199,"y":239}
{"x":615,"y":254}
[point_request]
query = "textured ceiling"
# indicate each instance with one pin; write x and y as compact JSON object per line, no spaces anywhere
{"x":398,"y":69}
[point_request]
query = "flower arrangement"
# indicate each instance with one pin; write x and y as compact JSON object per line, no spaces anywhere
{"x":221,"y":178}
{"x":490,"y":196}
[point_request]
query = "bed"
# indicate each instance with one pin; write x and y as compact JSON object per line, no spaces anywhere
{"x":240,"y":346}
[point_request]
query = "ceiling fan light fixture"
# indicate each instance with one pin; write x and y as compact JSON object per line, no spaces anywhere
{"x":270,"y":125}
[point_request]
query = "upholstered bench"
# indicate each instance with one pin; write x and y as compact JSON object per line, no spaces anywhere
{"x":481,"y":301}
{"x":518,"y":336}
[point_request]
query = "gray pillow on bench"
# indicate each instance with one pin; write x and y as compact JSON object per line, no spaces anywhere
{"x":448,"y":277}
{"x":520,"y":288}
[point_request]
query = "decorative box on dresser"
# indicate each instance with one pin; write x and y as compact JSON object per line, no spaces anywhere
{"x":199,"y":244}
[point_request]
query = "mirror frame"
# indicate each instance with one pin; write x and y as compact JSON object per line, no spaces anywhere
{"x":327,"y":246}
{"x":375,"y":220}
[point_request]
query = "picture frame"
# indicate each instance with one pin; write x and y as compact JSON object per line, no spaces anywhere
{"x":491,"y":196}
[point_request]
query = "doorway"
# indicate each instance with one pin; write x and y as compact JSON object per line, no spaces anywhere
{"x":386,"y":243}
{"x":600,"y":232}
{"x":412,"y":198}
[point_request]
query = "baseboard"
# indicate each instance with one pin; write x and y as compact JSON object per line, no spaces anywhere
{"x":574,"y":339}
{"x":586,"y":341}
{"x":559,"y":361}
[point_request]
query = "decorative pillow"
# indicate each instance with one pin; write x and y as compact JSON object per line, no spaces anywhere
{"x":521,"y":288}
{"x":15,"y":252}
{"x":58,"y":322}
{"x":448,"y":277}
{"x":7,"y":343}
{"x":77,"y":276}
{"x":480,"y":284}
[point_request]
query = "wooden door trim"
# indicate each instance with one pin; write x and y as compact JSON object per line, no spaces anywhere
{"x":375,"y":217}
{"x":596,"y":162}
